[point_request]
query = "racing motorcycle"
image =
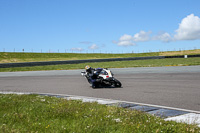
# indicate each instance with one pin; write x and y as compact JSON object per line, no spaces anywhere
{"x":105,"y":77}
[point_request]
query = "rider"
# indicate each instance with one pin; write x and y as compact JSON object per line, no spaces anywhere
{"x":93,"y":75}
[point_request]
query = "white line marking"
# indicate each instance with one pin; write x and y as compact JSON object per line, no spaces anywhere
{"x":190,"y":118}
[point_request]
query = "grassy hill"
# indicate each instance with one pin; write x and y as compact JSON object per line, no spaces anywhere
{"x":7,"y":57}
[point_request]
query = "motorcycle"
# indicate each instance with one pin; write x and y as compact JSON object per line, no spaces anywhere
{"x":105,"y":78}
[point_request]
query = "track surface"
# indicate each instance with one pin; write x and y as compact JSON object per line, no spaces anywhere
{"x":177,"y":87}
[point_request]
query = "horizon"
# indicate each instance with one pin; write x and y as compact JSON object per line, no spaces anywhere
{"x":82,"y":52}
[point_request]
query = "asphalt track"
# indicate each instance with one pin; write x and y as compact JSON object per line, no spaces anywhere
{"x":177,"y":87}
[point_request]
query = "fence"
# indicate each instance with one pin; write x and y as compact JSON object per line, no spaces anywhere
{"x":91,"y":51}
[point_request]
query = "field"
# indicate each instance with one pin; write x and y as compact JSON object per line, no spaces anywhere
{"x":28,"y":57}
{"x":34,"y":57}
{"x":113,"y":64}
{"x":185,"y":52}
{"x":35,"y":113}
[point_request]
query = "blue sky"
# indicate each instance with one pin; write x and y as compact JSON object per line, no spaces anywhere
{"x":106,"y":26}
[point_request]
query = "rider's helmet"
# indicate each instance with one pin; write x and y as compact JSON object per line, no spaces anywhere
{"x":88,"y":68}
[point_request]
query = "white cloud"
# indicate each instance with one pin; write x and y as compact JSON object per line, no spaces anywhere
{"x":125,"y":40}
{"x":126,"y":37}
{"x":93,"y":46}
{"x":165,"y":37}
{"x":126,"y":43}
{"x":142,"y":36}
{"x":189,"y":28}
{"x":77,"y":49}
{"x":128,"y":40}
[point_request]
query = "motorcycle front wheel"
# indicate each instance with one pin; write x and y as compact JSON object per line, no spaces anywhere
{"x":117,"y":83}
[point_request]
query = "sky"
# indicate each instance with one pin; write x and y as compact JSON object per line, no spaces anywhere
{"x":99,"y":26}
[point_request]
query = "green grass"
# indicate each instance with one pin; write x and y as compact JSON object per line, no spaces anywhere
{"x":30,"y":57}
{"x":35,"y":113}
{"x":9,"y":57}
{"x":35,"y":57}
{"x":114,"y":64}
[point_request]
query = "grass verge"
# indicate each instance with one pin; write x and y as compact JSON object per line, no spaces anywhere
{"x":35,"y":113}
{"x":35,"y":57}
{"x":114,"y":64}
{"x":9,"y":57}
